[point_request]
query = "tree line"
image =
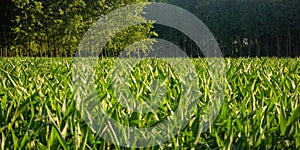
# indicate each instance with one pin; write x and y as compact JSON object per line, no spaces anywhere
{"x":33,"y":28}
{"x":250,"y":27}
{"x":241,"y":27}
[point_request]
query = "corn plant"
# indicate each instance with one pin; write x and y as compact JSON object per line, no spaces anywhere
{"x":260,"y":110}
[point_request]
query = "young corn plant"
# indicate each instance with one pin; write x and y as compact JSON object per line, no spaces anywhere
{"x":260,"y":109}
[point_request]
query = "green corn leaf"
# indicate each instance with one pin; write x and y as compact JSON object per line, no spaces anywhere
{"x":24,"y":140}
{"x":295,"y":116}
{"x":84,"y":142}
{"x":58,"y":135}
{"x":70,"y":110}
{"x":15,"y":139}
{"x":3,"y":140}
{"x":239,"y":124}
{"x":19,"y":110}
{"x":282,"y":121}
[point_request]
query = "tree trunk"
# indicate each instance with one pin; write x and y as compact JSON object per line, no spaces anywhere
{"x":289,"y":42}
{"x":297,"y":45}
{"x":2,"y":41}
{"x":257,"y":45}
{"x":241,"y":45}
{"x":232,"y":46}
{"x":249,"y":46}
{"x":267,"y":47}
{"x":6,"y":52}
{"x":278,"y":45}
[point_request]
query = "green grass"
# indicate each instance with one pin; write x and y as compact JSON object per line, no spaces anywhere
{"x":260,"y":108}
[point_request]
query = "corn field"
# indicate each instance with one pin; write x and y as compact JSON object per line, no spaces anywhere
{"x":260,"y":108}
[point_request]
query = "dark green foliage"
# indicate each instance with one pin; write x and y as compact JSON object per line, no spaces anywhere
{"x":54,"y":28}
{"x":242,"y":27}
{"x":250,"y":27}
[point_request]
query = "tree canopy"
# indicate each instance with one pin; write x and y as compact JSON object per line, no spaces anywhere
{"x":250,"y":27}
{"x":242,"y":27}
{"x":55,"y":28}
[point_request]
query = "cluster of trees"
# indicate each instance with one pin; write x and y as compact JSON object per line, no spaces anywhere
{"x":54,"y":28}
{"x":242,"y":27}
{"x":250,"y":27}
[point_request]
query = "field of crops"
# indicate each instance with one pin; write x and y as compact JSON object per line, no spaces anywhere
{"x":260,"y":108}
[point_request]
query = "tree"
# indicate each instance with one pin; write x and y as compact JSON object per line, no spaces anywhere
{"x":54,"y":28}
{"x":242,"y":27}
